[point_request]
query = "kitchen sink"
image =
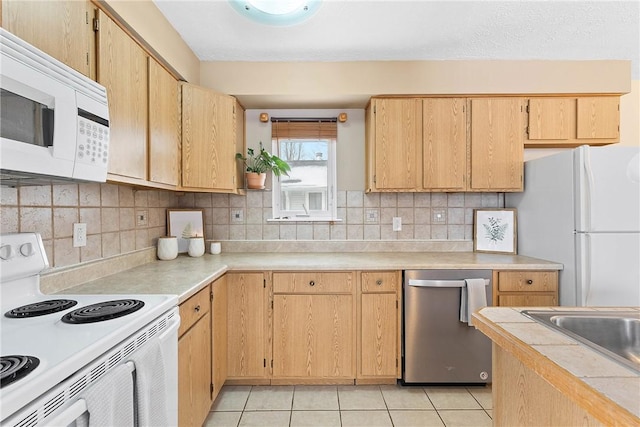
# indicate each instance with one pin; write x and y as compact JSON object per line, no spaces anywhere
{"x":615,"y":334}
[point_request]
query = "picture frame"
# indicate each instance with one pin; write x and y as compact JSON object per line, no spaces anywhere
{"x":185,"y":223}
{"x":495,"y":231}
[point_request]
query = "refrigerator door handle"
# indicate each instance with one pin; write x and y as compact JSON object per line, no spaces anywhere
{"x":587,"y":269}
{"x":589,"y":185}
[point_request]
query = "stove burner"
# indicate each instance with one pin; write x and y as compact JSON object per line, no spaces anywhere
{"x":41,"y":308}
{"x":103,"y":311}
{"x":12,"y":368}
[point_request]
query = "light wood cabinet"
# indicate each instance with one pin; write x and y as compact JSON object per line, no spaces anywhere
{"x":444,"y":144}
{"x":208,"y":140}
{"x":61,"y":28}
{"x":396,"y":144}
{"x":525,"y":288}
{"x":194,"y":360}
{"x":164,"y":134}
{"x":561,"y":122}
{"x":313,"y":328}
{"x":497,"y":144}
{"x":122,"y":69}
{"x":379,"y":327}
{"x":219,"y":335}
{"x":247,"y":318}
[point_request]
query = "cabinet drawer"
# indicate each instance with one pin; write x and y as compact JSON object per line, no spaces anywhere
{"x":527,"y":300}
{"x":528,"y":281}
{"x":313,"y":283}
{"x":380,"y":281}
{"x":193,"y":309}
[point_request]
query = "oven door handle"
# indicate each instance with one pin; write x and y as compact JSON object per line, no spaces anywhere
{"x":70,"y":414}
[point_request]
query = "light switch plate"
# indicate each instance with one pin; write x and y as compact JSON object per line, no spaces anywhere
{"x":142,"y":218}
{"x":237,"y":215}
{"x":371,"y":216}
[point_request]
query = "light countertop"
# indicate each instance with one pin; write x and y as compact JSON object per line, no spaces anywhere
{"x":565,"y":363}
{"x":184,"y":276}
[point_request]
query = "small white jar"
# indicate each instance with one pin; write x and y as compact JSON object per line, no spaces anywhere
{"x":196,"y":246}
{"x":167,"y":248}
{"x":215,"y":248}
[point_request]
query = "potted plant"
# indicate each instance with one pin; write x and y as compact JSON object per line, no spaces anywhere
{"x":258,"y":164}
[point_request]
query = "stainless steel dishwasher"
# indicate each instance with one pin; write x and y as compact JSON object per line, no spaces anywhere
{"x":437,"y":347}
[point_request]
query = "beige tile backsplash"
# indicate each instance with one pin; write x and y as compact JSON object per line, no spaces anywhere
{"x":109,"y":211}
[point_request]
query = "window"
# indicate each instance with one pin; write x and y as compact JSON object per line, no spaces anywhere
{"x":309,"y":146}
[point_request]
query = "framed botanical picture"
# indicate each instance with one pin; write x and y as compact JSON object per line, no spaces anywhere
{"x":185,"y":223}
{"x":495,"y":230}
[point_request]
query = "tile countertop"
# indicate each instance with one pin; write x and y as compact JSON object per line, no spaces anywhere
{"x":184,"y":276}
{"x":570,"y":367}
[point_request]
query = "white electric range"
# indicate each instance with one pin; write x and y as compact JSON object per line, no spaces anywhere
{"x":55,"y":347}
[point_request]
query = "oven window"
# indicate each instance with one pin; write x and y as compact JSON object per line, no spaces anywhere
{"x":25,"y":120}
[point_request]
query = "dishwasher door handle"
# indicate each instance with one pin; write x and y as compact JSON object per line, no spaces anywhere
{"x":440,"y":283}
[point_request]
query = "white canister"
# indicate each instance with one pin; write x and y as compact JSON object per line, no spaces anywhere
{"x":167,"y":248}
{"x":215,"y":248}
{"x":196,"y":246}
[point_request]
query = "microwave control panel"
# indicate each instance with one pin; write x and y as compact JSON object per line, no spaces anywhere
{"x":93,"y":142}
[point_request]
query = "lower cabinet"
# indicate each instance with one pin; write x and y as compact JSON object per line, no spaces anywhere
{"x":194,"y":360}
{"x":379,"y":329}
{"x":313,"y":327}
{"x":525,"y":288}
{"x":248,"y":328}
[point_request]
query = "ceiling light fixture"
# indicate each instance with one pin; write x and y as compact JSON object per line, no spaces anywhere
{"x":276,"y":12}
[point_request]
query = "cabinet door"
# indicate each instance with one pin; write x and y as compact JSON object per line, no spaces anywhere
{"x":246,"y":341}
{"x":238,"y":118}
{"x":164,"y":131}
{"x":208,"y":139}
{"x":313,"y":336}
{"x":598,"y":117}
{"x":378,"y":353}
{"x":497,"y":144}
{"x":219,"y":334}
{"x":122,"y":69}
{"x":444,"y":144}
{"x":398,"y":143}
{"x":61,"y":28}
{"x":549,"y":118}
{"x":194,"y":373}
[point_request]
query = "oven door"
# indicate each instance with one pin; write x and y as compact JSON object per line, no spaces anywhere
{"x":38,"y":118}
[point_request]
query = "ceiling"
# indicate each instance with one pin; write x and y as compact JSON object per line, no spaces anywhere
{"x":373,"y":30}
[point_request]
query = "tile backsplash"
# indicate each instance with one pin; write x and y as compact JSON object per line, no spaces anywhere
{"x":113,"y":227}
{"x":110,"y":212}
{"x":365,"y":216}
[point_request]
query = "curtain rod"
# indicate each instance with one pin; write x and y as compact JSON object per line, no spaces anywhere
{"x":305,"y":119}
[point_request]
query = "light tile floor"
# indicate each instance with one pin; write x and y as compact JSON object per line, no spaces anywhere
{"x":351,"y":406}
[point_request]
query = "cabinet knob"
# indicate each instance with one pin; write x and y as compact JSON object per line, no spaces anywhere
{"x":379,"y":282}
{"x":312,"y":283}
{"x":529,"y":282}
{"x":197,"y":308}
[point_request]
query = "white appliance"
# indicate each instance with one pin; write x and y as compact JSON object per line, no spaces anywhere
{"x":581,"y":207}
{"x":54,"y":121}
{"x":50,"y":363}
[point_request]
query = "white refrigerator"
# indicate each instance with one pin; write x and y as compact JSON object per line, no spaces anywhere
{"x":581,"y":207}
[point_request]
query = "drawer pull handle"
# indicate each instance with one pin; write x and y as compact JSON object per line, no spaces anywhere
{"x":529,"y":282}
{"x":379,"y":282}
{"x":197,"y":308}
{"x":312,"y":283}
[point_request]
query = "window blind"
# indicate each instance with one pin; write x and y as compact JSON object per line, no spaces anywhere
{"x":284,"y":128}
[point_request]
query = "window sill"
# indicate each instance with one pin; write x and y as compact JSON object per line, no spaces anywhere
{"x":298,"y":218}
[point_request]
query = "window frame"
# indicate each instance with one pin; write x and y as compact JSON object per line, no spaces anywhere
{"x":331,"y":214}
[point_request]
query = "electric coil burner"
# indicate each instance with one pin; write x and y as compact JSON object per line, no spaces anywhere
{"x":12,"y":368}
{"x":103,"y":311}
{"x":41,"y":308}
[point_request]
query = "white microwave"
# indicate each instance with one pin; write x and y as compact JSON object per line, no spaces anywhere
{"x":54,"y":121}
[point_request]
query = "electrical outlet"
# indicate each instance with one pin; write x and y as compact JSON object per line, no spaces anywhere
{"x":79,"y":235}
{"x":397,"y":223}
{"x":371,"y":215}
{"x":142,"y":218}
{"x":438,"y":216}
{"x":237,"y":215}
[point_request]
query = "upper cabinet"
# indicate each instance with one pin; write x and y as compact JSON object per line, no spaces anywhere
{"x":209,"y":140}
{"x":122,"y":69}
{"x":63,"y":29}
{"x":415,"y":144}
{"x":562,"y":122}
